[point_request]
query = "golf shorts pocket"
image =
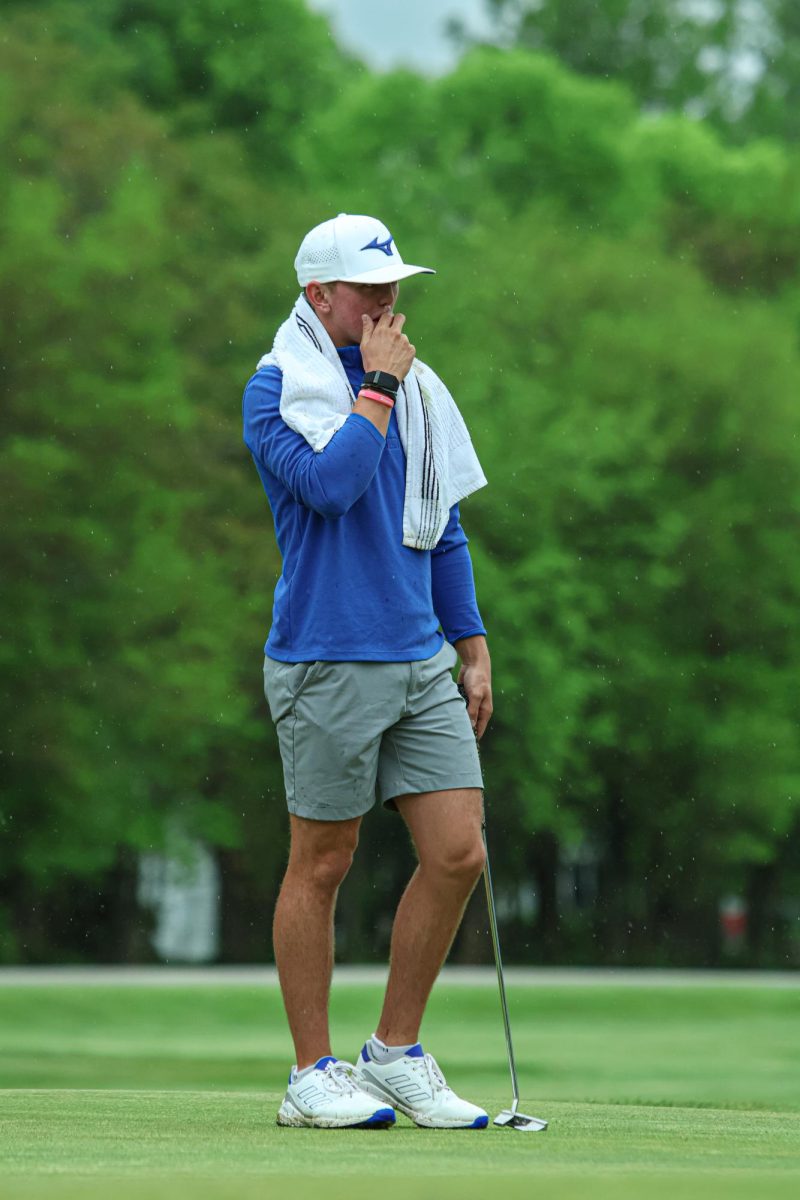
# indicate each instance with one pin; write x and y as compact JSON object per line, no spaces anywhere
{"x":284,"y":683}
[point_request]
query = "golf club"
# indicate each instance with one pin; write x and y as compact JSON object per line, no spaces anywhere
{"x":510,"y":1118}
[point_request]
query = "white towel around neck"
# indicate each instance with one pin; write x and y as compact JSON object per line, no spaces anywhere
{"x":316,"y":399}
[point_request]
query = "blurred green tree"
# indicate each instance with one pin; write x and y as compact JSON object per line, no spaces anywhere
{"x":131,"y":695}
{"x":734,"y":63}
{"x":251,"y":65}
{"x":612,"y":267}
{"x":615,"y":312}
{"x":634,"y":557}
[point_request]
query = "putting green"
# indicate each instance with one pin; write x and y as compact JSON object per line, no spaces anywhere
{"x":148,"y":1092}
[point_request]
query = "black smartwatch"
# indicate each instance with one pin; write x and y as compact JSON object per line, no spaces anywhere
{"x":382,"y":382}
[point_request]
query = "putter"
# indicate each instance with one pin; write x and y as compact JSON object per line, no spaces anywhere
{"x":509,"y":1118}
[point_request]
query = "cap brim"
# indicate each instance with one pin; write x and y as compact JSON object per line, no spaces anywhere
{"x":388,"y":274}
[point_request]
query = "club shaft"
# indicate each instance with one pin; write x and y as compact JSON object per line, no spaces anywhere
{"x":487,"y":879}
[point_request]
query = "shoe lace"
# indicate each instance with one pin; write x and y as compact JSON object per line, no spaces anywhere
{"x":434,"y":1075}
{"x":338,"y":1078}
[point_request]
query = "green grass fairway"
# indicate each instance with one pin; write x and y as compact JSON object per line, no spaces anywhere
{"x":136,"y":1092}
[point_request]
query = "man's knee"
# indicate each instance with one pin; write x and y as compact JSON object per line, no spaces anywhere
{"x":328,"y":868}
{"x":460,"y":860}
{"x":323,"y":851}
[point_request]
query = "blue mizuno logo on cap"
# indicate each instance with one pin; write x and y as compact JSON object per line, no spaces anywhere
{"x":386,"y":246}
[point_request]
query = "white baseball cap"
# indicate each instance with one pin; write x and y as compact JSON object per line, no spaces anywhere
{"x":353,"y":249}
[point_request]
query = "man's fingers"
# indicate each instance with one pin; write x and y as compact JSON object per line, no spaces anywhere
{"x":473,"y":709}
{"x":479,"y":712}
{"x":367,"y":327}
{"x":479,"y":709}
{"x":483,"y":721}
{"x":390,"y":320}
{"x":479,"y":706}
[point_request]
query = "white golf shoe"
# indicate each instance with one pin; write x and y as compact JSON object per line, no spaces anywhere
{"x":415,"y":1085}
{"x":330,"y":1097}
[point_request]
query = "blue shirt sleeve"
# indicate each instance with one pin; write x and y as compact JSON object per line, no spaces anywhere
{"x":453,"y":583}
{"x":329,"y":482}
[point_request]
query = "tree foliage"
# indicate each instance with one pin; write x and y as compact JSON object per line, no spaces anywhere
{"x":734,"y":63}
{"x":132,"y":566}
{"x":615,"y":310}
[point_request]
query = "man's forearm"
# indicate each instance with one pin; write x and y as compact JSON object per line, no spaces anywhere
{"x":472,"y":650}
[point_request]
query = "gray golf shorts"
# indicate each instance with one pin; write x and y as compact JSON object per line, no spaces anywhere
{"x":345,"y":726}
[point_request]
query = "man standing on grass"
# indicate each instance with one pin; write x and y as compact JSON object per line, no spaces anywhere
{"x":364,"y":458}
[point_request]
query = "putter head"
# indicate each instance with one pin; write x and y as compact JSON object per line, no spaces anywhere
{"x":518,"y":1120}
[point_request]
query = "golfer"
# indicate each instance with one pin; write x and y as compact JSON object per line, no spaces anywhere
{"x":364,"y":458}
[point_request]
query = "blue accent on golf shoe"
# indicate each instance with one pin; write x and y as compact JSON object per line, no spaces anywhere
{"x":322,"y":1063}
{"x":364,"y":1053}
{"x":383,"y":1116}
{"x":415,"y":1051}
{"x":479,"y":1123}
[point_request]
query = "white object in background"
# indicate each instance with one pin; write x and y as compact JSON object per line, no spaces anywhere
{"x":182,"y":889}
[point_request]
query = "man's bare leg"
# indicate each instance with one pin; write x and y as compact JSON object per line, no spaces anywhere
{"x":446,"y":828}
{"x":319,"y":858}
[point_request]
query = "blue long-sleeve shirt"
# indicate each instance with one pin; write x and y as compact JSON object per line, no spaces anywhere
{"x":349,"y":589}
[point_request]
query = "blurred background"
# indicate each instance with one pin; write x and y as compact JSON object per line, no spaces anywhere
{"x":610,"y":191}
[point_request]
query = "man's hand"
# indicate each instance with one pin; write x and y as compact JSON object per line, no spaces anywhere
{"x":384,"y":346}
{"x":475,"y":679}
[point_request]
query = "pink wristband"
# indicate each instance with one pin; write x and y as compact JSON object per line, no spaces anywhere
{"x":378,"y":397}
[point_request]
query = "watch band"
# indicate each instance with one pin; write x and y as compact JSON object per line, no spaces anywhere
{"x":382,"y":381}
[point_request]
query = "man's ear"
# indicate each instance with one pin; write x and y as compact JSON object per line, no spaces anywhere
{"x":318,"y":297}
